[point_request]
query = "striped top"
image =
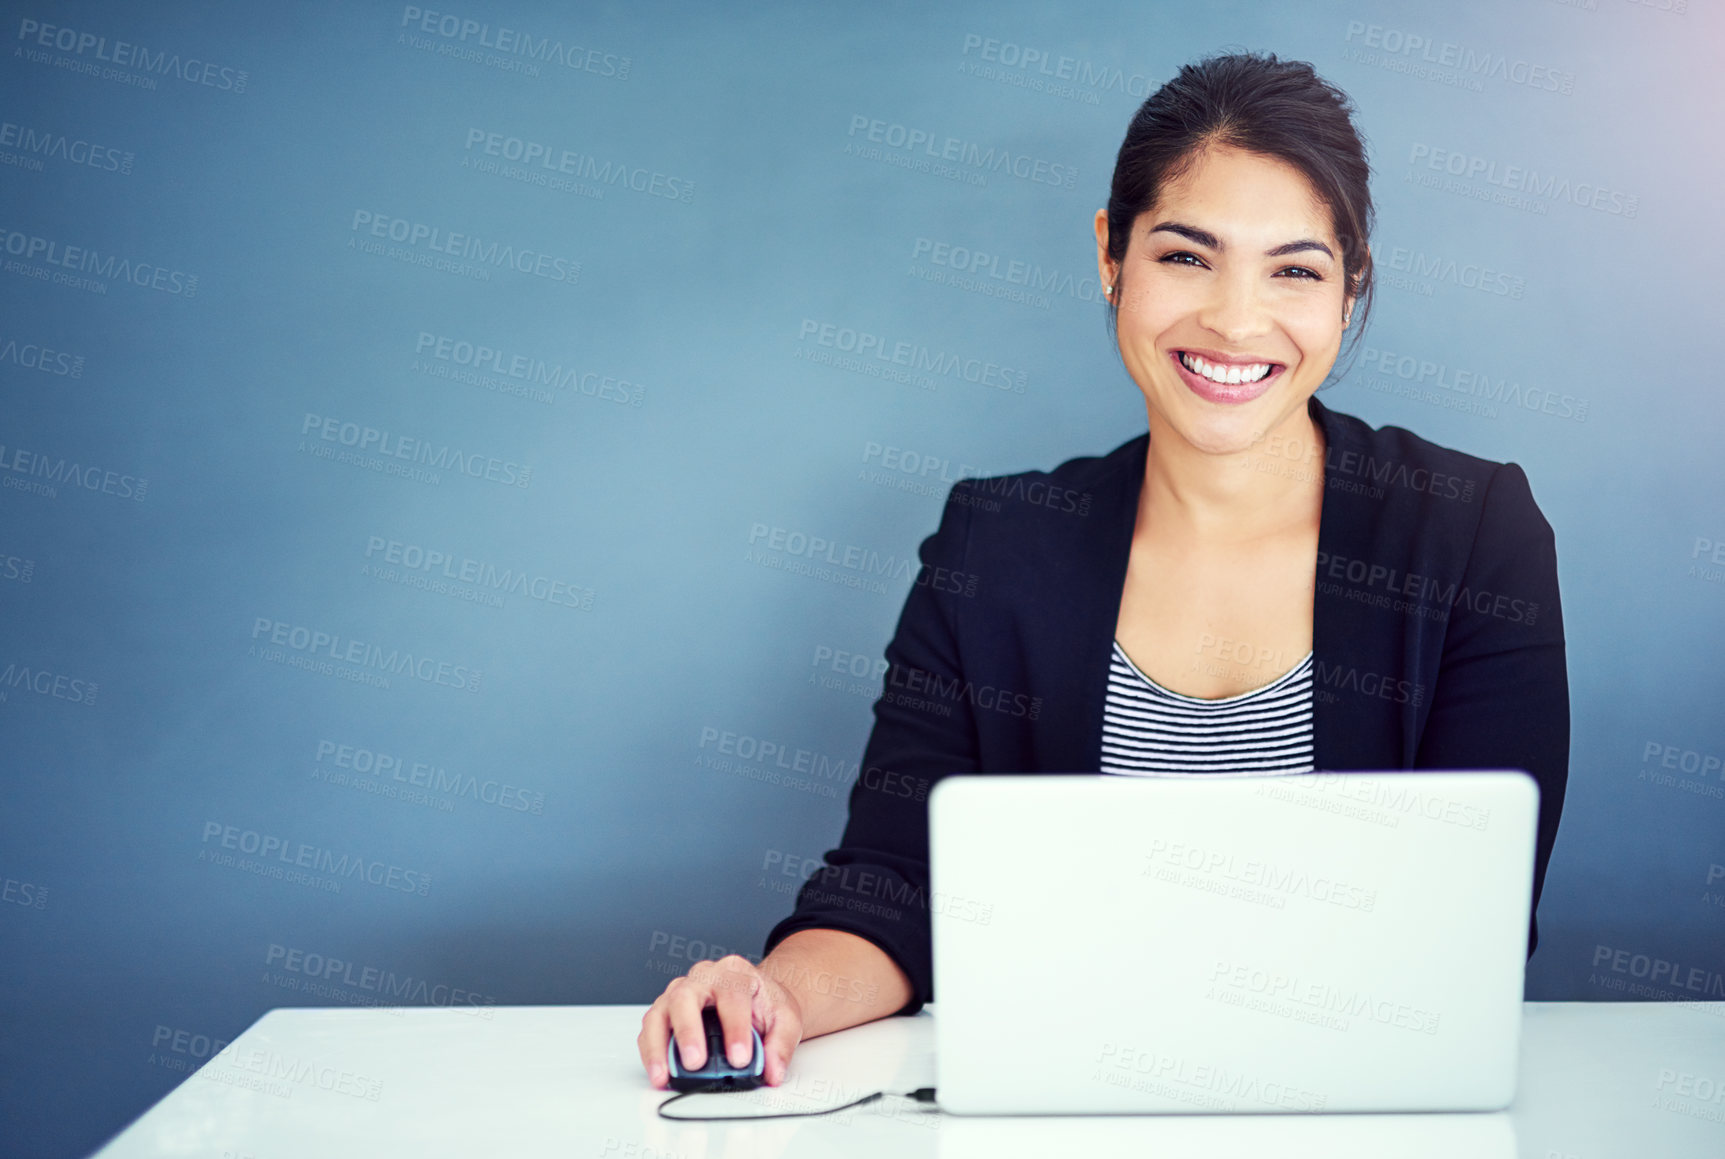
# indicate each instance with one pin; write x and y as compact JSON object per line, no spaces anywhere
{"x":1147,"y":728}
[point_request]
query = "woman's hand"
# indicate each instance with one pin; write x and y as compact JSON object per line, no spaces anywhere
{"x":745,"y":997}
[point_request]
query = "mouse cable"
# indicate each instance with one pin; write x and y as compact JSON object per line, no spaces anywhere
{"x":921,"y":1095}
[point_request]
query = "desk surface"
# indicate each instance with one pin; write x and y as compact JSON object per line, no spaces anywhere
{"x":1597,"y":1080}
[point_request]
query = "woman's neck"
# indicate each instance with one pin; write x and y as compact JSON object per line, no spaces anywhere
{"x":1268,"y":489}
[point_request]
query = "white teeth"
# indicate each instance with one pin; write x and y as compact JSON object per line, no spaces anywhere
{"x":1230,"y":375}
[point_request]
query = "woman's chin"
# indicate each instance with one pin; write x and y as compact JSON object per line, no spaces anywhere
{"x":1231,"y":432}
{"x":1224,"y":444}
{"x":1228,"y":429}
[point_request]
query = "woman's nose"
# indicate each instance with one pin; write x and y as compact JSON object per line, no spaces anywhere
{"x":1235,"y":311}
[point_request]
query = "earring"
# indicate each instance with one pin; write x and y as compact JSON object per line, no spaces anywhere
{"x":1108,"y":289}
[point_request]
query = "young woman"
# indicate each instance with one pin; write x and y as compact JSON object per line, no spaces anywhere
{"x":1259,"y":583}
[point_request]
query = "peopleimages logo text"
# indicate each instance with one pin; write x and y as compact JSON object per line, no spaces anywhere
{"x":190,"y":69}
{"x":585,"y":166}
{"x":42,"y":682}
{"x":464,"y":569}
{"x":97,"y":263}
{"x":313,"y":857}
{"x":1524,"y":179}
{"x":525,"y":368}
{"x":67,"y":472}
{"x":398,"y":989}
{"x":1464,"y":58}
{"x":340,"y":649}
{"x":466,"y":246}
{"x":1051,"y":67}
{"x":35,"y":356}
{"x":391,"y":445}
{"x":955,"y":150}
{"x":514,"y":42}
{"x":61,"y":147}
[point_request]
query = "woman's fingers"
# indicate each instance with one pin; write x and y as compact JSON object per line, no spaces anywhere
{"x":734,"y":982}
{"x":784,"y":1031}
{"x":745,"y":1000}
{"x":653,"y":1041}
{"x":683,"y":1007}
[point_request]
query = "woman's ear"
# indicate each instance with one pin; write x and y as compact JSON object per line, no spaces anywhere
{"x":1348,"y":301}
{"x":1104,"y":264}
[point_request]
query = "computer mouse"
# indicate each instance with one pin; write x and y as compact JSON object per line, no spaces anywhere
{"x":717,"y":1074}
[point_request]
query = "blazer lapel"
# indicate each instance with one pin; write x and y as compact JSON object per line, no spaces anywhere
{"x":1355,"y":644}
{"x":1075,"y":647}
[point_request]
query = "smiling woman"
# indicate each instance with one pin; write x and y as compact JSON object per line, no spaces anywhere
{"x":1256,"y":584}
{"x":1220,"y":308}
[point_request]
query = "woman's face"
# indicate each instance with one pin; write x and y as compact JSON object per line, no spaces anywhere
{"x":1230,"y":300}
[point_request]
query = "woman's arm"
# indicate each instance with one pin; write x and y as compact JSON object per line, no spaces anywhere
{"x":875,"y":884}
{"x":839,"y":979}
{"x":1501,"y":698}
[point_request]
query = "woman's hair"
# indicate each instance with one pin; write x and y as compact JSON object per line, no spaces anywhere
{"x":1251,"y":101}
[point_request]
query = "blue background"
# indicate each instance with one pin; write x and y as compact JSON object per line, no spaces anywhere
{"x":583,"y":838}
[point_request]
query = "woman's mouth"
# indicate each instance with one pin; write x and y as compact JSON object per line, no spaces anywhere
{"x":1225,"y":382}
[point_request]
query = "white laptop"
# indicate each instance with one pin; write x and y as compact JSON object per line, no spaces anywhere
{"x":1224,"y":943}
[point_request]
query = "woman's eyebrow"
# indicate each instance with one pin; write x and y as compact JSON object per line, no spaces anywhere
{"x":1209,"y":240}
{"x":1295,"y":247}
{"x":1190,"y":232}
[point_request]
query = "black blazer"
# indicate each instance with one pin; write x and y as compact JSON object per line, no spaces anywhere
{"x":1437,"y":639}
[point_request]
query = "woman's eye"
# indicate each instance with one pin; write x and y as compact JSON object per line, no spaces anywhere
{"x":1188,"y":258}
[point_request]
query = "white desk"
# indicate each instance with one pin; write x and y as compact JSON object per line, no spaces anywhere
{"x":1638,"y":1080}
